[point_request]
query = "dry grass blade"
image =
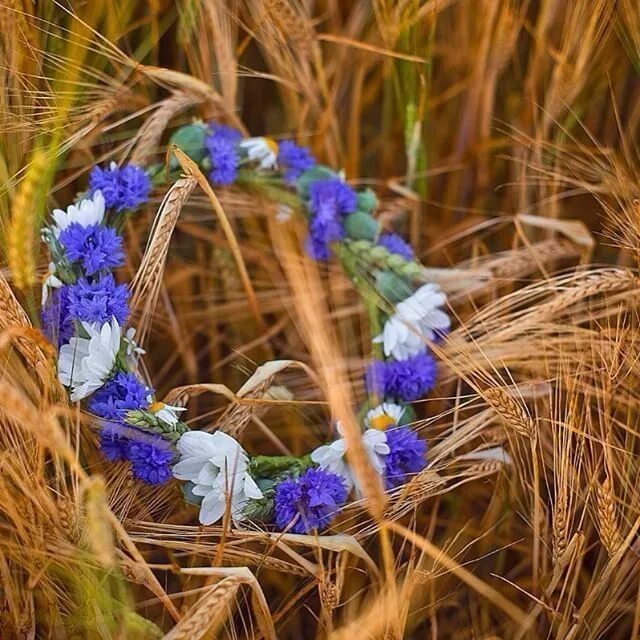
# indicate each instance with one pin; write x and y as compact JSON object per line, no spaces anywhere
{"x":190,"y":85}
{"x":192,"y":169}
{"x":147,"y":140}
{"x":439,"y":556}
{"x":213,"y":608}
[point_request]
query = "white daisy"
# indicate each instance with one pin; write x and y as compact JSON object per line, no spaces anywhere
{"x":416,"y":319}
{"x":84,"y":364}
{"x":263,"y":150}
{"x":218,"y":467}
{"x":332,"y":457}
{"x":166,"y":412}
{"x":133,"y":350}
{"x":384,"y":415}
{"x":87,"y":212}
{"x":50,"y":282}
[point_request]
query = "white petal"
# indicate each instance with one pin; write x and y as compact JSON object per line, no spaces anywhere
{"x":197,"y":443}
{"x":212,"y":508}
{"x":188,"y":468}
{"x":325,"y":455}
{"x":208,"y":474}
{"x":251,"y":489}
{"x":204,"y":489}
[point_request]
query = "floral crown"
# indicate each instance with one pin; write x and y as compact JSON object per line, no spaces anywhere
{"x":85,"y":314}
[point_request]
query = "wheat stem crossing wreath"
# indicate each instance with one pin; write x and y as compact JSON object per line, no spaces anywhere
{"x":85,"y":314}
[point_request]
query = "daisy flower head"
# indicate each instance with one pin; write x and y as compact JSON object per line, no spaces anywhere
{"x":133,"y":351}
{"x":222,"y":147}
{"x":416,"y":319}
{"x":309,"y":502}
{"x":384,"y":415}
{"x":85,"y":364}
{"x":166,"y":412}
{"x":406,"y":456}
{"x":123,"y":188}
{"x":405,"y":380}
{"x":51,"y":281}
{"x":262,"y":150}
{"x":294,"y":160}
{"x":86,"y":213}
{"x":217,"y":466}
{"x":332,"y":457}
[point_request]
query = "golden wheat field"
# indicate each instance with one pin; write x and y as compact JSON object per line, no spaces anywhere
{"x":289,"y":177}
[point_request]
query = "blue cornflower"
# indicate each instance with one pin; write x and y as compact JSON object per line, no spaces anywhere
{"x":329,"y":200}
{"x":294,"y":160}
{"x":99,"y":301}
{"x":405,"y":380}
{"x":323,"y":231}
{"x":308,"y":502}
{"x":331,"y":197}
{"x":57,"y":323}
{"x":122,"y":187}
{"x":94,"y":247}
{"x":222,"y":145}
{"x":393,"y":243}
{"x":113,"y":444}
{"x":151,"y":459}
{"x":406,"y":455}
{"x":121,"y":393}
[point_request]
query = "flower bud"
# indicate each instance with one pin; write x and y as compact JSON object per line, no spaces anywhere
{"x":189,"y":139}
{"x":361,"y":226}
{"x":392,"y":287}
{"x":367,"y":201}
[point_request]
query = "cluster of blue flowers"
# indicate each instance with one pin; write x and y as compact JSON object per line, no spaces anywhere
{"x":308,"y":502}
{"x":405,"y":380}
{"x":123,"y":188}
{"x":81,"y":297}
{"x":85,"y":311}
{"x":222,"y":146}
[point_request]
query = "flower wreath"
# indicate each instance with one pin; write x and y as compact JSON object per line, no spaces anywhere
{"x":85,"y":315}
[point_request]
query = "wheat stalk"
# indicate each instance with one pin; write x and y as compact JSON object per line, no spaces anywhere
{"x":148,"y":279}
{"x":607,"y":517}
{"x":16,"y":327}
{"x":560,"y":534}
{"x":147,"y":140}
{"x":511,"y":411}
{"x":24,"y":223}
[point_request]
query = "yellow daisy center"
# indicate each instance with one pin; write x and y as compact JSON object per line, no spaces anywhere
{"x":272,"y":144}
{"x":381,"y":422}
{"x":156,"y":406}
